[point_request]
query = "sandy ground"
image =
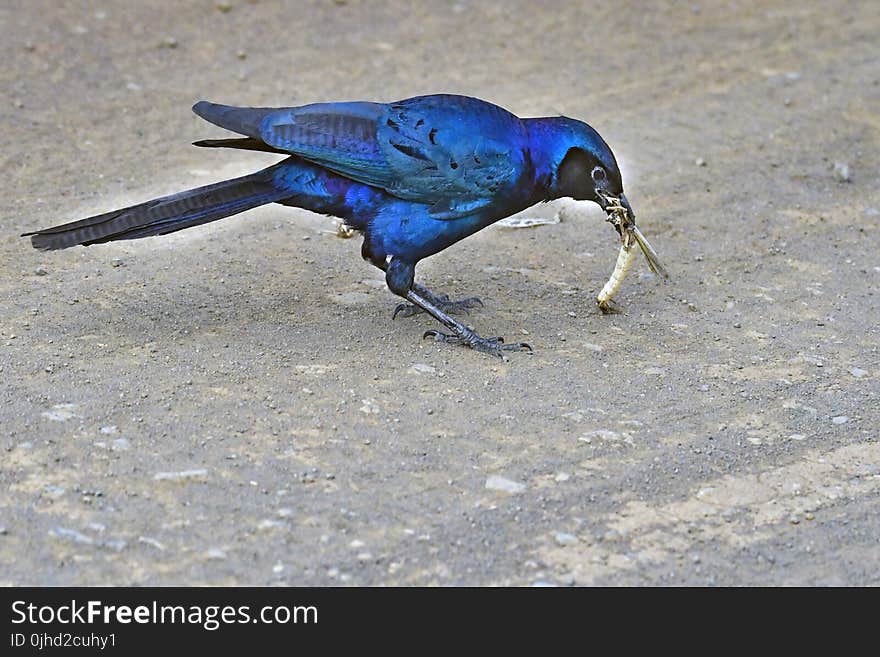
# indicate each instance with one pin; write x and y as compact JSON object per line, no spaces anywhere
{"x":233,"y":404}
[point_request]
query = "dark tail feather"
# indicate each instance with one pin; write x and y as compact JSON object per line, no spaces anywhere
{"x":245,"y":143}
{"x":164,"y":215}
{"x":243,"y":120}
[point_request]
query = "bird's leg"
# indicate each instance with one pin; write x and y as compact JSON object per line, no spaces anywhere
{"x":399,"y":277}
{"x":442,"y":301}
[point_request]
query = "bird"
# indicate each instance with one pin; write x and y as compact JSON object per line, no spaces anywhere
{"x":412,"y":176}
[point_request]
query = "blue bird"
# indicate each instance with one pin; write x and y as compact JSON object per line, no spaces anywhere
{"x":413,"y":176}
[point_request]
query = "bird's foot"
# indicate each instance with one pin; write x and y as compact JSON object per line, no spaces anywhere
{"x":493,"y":346}
{"x":443,"y":302}
{"x":461,"y":334}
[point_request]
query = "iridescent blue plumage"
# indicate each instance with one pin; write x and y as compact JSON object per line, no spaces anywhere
{"x":414,"y":176}
{"x":454,"y":153}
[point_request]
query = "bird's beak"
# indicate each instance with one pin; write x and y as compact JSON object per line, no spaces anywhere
{"x":630,"y":215}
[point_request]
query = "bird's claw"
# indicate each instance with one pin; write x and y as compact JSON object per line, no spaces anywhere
{"x":460,"y":307}
{"x":469,"y":302}
{"x":405,"y":310}
{"x":494,"y":346}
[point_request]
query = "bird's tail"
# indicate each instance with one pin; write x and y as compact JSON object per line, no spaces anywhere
{"x":165,"y":215}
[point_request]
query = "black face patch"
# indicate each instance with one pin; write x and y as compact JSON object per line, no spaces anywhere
{"x":573,"y":177}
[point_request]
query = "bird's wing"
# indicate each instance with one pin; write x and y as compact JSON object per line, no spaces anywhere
{"x":452,"y":152}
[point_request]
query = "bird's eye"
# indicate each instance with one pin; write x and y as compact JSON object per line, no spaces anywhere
{"x":599,"y":175}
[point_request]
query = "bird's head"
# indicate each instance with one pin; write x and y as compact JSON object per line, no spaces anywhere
{"x":582,"y":167}
{"x":587,"y":169}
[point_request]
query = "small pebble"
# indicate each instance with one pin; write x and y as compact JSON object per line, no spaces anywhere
{"x":700,"y":162}
{"x":41,"y":271}
{"x":562,"y":539}
{"x":269,"y":524}
{"x":182,"y":475}
{"x":841,"y":172}
{"x":115,"y":544}
{"x":858,"y":372}
{"x":602,"y":434}
{"x":120,"y":445}
{"x":168,"y":42}
{"x":71,"y":535}
{"x":496,"y":482}
{"x":840,"y":419}
{"x":54,"y":491}
{"x":146,"y":540}
{"x":60,"y":412}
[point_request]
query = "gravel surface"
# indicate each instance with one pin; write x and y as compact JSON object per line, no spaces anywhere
{"x":233,"y":404}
